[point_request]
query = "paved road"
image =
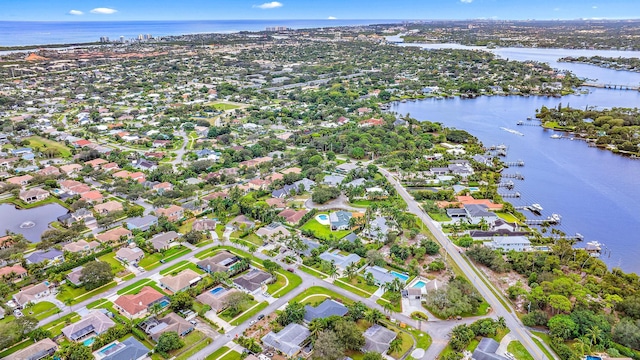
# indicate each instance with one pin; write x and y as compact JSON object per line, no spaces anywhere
{"x":518,"y":331}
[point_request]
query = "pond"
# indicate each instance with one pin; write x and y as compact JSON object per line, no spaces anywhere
{"x":29,"y":222}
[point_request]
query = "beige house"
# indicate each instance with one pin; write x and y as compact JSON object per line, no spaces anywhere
{"x":108,"y":207}
{"x":114,"y":235}
{"x":172,"y":213}
{"x":33,"y":195}
{"x":181,"y":281}
{"x":81,"y":246}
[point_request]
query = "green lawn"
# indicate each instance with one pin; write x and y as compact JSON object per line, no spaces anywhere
{"x":225,"y":106}
{"x":518,"y":350}
{"x":100,"y":303}
{"x":187,"y":225}
{"x":19,"y":346}
{"x":43,"y":144}
{"x":194,"y":342}
{"x":546,"y":339}
{"x":181,"y":265}
{"x":312,"y":271}
{"x":136,"y":286}
{"x":152,"y":261}
{"x":361,"y":203}
{"x":227,"y":316}
{"x":354,"y":289}
{"x":293,"y":282}
{"x":42,"y":310}
{"x":507,"y":217}
{"x":439,"y":216}
{"x":116,"y":266}
{"x":385,"y":299}
{"x":360,"y":283}
{"x":56,"y":326}
{"x":249,"y":313}
{"x":234,"y":355}
{"x":254,"y":239}
{"x":80,"y":294}
{"x":278,"y":284}
{"x":323,"y":231}
{"x":215,"y":355}
{"x":319,"y":290}
{"x":407,"y":343}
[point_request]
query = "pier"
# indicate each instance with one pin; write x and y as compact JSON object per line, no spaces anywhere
{"x":554,"y":219}
{"x":514,"y":163}
{"x":508,"y":184}
{"x":510,"y":195}
{"x":522,"y":123}
{"x":612,"y":86}
{"x":576,"y":237}
{"x":516,"y":176}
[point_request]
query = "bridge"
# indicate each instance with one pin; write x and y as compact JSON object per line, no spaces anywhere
{"x":612,"y":86}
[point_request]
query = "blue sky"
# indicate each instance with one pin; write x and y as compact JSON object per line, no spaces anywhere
{"x":120,"y":10}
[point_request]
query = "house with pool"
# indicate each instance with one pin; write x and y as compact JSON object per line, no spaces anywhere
{"x":383,"y":276}
{"x":94,"y":324}
{"x":341,"y":261}
{"x":137,"y":306}
{"x":216,"y":297}
{"x":419,"y":287}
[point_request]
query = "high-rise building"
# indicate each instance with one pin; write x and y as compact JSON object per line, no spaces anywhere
{"x":140,"y":37}
{"x":122,"y":39}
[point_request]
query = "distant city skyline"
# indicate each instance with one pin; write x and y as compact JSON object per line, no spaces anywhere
{"x":128,"y":10}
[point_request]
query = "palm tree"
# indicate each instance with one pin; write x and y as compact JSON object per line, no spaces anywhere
{"x":351,"y":271}
{"x":395,"y":345}
{"x":155,"y":309}
{"x":68,"y":302}
{"x":388,"y":307}
{"x":316,"y":326}
{"x":502,"y":323}
{"x":332,"y":270}
{"x":594,"y":334}
{"x":373,"y":316}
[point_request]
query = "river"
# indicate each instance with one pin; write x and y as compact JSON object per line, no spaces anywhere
{"x":595,"y":191}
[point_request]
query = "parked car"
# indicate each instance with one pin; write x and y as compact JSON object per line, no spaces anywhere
{"x":290,"y":270}
{"x":261,"y":316}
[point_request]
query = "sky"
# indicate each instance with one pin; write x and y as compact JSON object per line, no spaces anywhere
{"x":125,"y":10}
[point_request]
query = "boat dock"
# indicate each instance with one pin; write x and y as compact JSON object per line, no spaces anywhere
{"x":553,"y":219}
{"x":514,"y":163}
{"x":511,"y":195}
{"x":516,"y":176}
{"x":507,"y":184}
{"x":576,"y":237}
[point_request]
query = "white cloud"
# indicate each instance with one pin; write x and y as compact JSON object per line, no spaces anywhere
{"x":332,"y":18}
{"x":104,"y":11}
{"x":466,"y":1}
{"x":594,"y":7}
{"x":269,"y":5}
{"x":75,"y":12}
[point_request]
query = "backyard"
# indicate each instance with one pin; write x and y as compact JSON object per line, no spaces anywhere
{"x":41,"y":310}
{"x":116,"y":266}
{"x":152,"y":261}
{"x":323,"y":231}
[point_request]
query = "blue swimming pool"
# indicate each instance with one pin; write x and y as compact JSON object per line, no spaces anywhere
{"x":589,"y":357}
{"x":473,"y":188}
{"x":216,"y":290}
{"x":89,"y":341}
{"x":108,"y":349}
{"x":400,"y":276}
{"x":419,"y":284}
{"x":323,"y":217}
{"x":164,"y":303}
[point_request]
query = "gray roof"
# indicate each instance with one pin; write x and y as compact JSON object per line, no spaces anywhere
{"x":333,"y":180}
{"x":40,"y":256}
{"x":327,"y":308}
{"x":142,"y":221}
{"x":381,"y":275}
{"x":340,"y":218}
{"x":377,"y":338}
{"x":340,"y":260}
{"x":486,"y":350}
{"x":377,"y":226}
{"x":350,"y":238}
{"x":252,"y":280}
{"x":288,"y":340}
{"x":356,"y":182}
{"x":161,"y":240}
{"x":478,"y":210}
{"x":129,"y":349}
{"x":96,"y":322}
{"x":310,"y":246}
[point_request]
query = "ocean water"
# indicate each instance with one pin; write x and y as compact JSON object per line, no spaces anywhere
{"x":20,"y":33}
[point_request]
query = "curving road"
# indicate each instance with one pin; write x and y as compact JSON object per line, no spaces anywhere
{"x":518,"y":331}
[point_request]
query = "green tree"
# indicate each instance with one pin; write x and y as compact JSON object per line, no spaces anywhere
{"x":349,"y":335}
{"x":74,"y":351}
{"x":372,"y":356}
{"x":461,"y":336}
{"x":169,"y":341}
{"x":293,"y":313}
{"x":181,"y":301}
{"x":561,"y":326}
{"x":328,"y":346}
{"x":396,"y":345}
{"x":95,"y":274}
{"x":236,"y":301}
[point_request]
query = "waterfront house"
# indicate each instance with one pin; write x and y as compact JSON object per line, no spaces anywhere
{"x":509,"y":243}
{"x":477,"y":213}
{"x":252,"y":281}
{"x":289,"y":340}
{"x":108,"y":207}
{"x":95,"y":323}
{"x":33,"y":195}
{"x":136,"y":306}
{"x":181,"y":281}
{"x":20,"y":180}
{"x":40,"y":350}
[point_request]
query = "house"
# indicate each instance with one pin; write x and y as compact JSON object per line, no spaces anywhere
{"x":255,"y":162}
{"x":129,"y":255}
{"x":486,"y":350}
{"x":81,"y":214}
{"x":216,"y":297}
{"x":376,"y":193}
{"x":19,"y":180}
{"x":291,"y":216}
{"x":70,"y":169}
{"x":327,"y":308}
{"x":204,"y":225}
{"x":74,"y":276}
{"x":351,"y":237}
{"x":509,"y":243}
{"x":15,"y":272}
{"x":289,"y":340}
{"x":32,"y":293}
{"x":355,"y":183}
{"x":310,"y":246}
{"x":81,"y":246}
{"x":339,"y":220}
{"x":40,"y":350}
{"x":196,"y":206}
{"x":136,"y":306}
{"x":371,"y":122}
{"x":208,"y":154}
{"x":33,"y":195}
{"x":258,"y":184}
{"x":108,"y":207}
{"x":477,"y":213}
{"x":142,"y":223}
{"x":276,"y":203}
{"x":172,"y":213}
{"x":252,"y":281}
{"x":172,"y":322}
{"x":333,"y":180}
{"x":162,"y":187}
{"x":95,"y":163}
{"x":380,"y":275}
{"x":273,"y":231}
{"x":377,"y":229}
{"x":142,"y":164}
{"x":418,"y":292}
{"x":377,"y":339}
{"x":340,"y":261}
{"x":94,"y":324}
{"x":346,"y":168}
{"x":52,"y":256}
{"x":220,"y":262}
{"x":130,"y":349}
{"x":163,"y":241}
{"x":181,"y":281}
{"x":114,"y":235}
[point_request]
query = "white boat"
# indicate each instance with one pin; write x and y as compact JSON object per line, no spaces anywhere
{"x":594,"y":248}
{"x":555,"y":217}
{"x":512,"y":131}
{"x":556,"y":136}
{"x":536,"y":208}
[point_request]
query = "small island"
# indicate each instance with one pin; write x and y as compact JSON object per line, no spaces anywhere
{"x":619,"y":63}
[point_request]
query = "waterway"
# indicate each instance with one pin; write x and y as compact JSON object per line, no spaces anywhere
{"x":29,"y":222}
{"x":595,"y":191}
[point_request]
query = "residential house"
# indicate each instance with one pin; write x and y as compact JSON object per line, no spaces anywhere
{"x":381,"y":275}
{"x":181,"y":281}
{"x":273,"y":231}
{"x":327,"y":308}
{"x":163,"y":241}
{"x":33,"y":195}
{"x":291,"y":216}
{"x":196,"y":207}
{"x":208,"y":154}
{"x":333,"y":180}
{"x":49,"y":171}
{"x":339,"y":220}
{"x":377,"y":229}
{"x":276,"y":203}
{"x":136,"y":306}
{"x":241,"y":221}
{"x":40,"y":350}
{"x":143,"y":164}
{"x":81,"y":246}
{"x":81,"y":214}
{"x":130,"y":255}
{"x":255,"y":162}
{"x":252,"y":281}
{"x":130,"y":349}
{"x":71,"y":169}
{"x":340,"y":261}
{"x":32,"y":294}
{"x":345,"y":168}
{"x":289,"y":340}
{"x":486,"y":350}
{"x":92,"y":197}
{"x":142,"y":223}
{"x":114,"y":235}
{"x":355,"y":183}
{"x":377,"y":339}
{"x":15,"y":272}
{"x":108,"y":207}
{"x":204,"y":225}
{"x":477,"y":214}
{"x":20,"y":180}
{"x":371,"y":122}
{"x":509,"y":243}
{"x":95,"y":163}
{"x":162,"y":187}
{"x":95,"y":323}
{"x":310,"y":246}
{"x":52,"y":256}
{"x":172,"y":213}
{"x":74,"y":276}
{"x":216,"y":297}
{"x":172,"y":322}
{"x":220,"y":262}
{"x":258,"y":184}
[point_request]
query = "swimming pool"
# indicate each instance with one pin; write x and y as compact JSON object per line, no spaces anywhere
{"x":109,"y":349}
{"x":400,"y":276}
{"x":419,"y":284}
{"x":216,"y":290}
{"x":89,"y":341}
{"x":473,"y":188}
{"x":323,"y":219}
{"x":164,"y":303}
{"x":589,"y":357}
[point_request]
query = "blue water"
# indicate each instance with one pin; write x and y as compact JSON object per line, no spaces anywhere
{"x":105,"y":351}
{"x":89,"y":341}
{"x":164,"y":303}
{"x":402,"y":277}
{"x":419,"y":284}
{"x":589,"y":357}
{"x":323,"y":217}
{"x":15,"y":33}
{"x":216,"y":290}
